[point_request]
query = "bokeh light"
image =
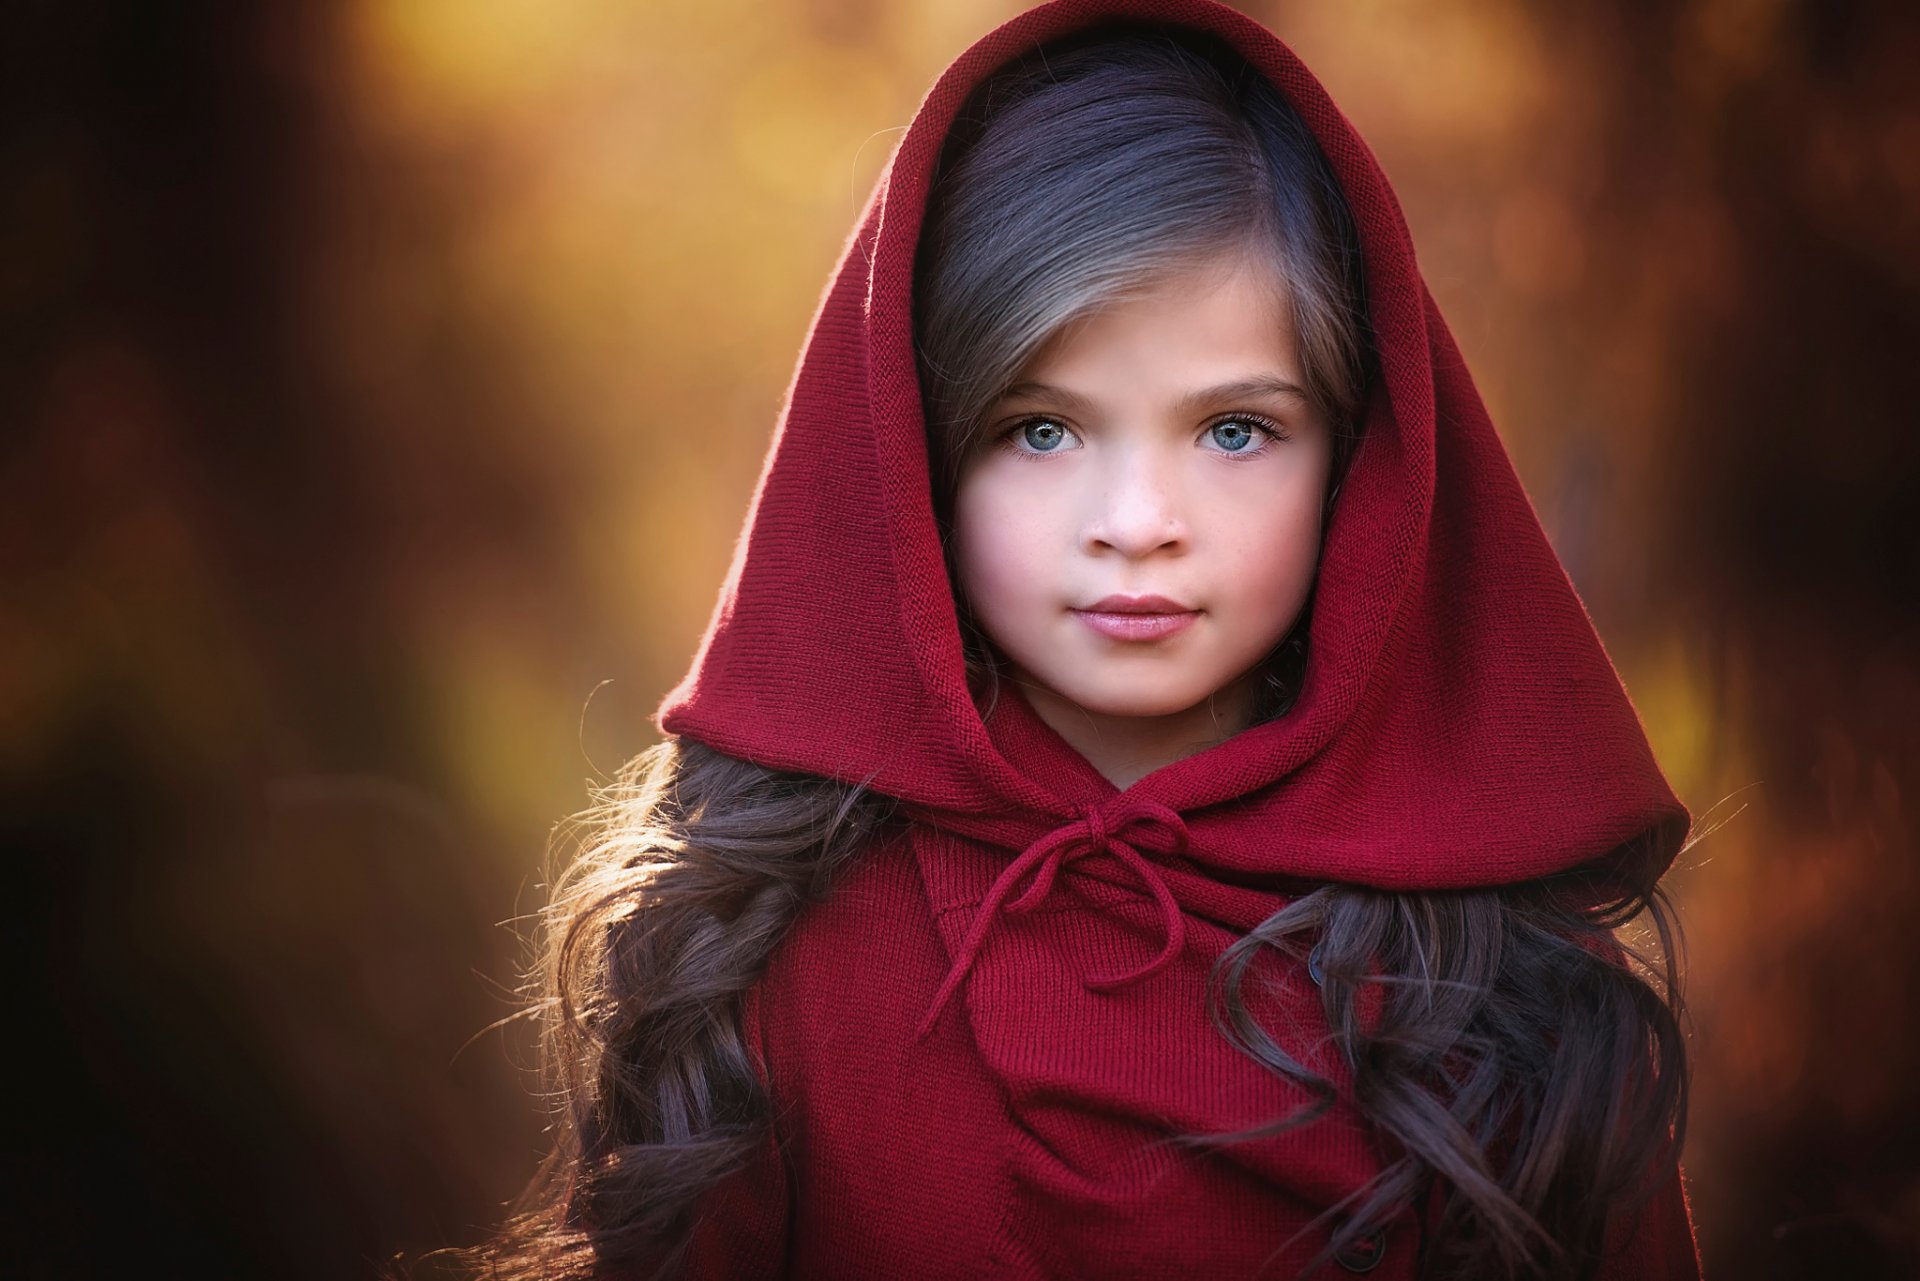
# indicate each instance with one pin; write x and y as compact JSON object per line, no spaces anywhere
{"x":388,"y":381}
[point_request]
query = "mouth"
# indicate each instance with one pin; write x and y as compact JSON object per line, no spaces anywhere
{"x":1137,"y":618}
{"x":1137,"y":605}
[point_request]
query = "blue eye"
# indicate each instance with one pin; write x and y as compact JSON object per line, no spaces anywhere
{"x":1245,"y":434}
{"x":1043,"y":434}
{"x":1232,"y":435}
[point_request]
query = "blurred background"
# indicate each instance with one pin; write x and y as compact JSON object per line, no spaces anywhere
{"x":384,"y":383}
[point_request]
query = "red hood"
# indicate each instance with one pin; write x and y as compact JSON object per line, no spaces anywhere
{"x":1460,"y":723}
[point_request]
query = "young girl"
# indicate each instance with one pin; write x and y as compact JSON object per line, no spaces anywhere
{"x":1149,"y":802}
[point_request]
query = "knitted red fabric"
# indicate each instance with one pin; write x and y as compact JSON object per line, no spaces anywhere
{"x":977,"y":1041}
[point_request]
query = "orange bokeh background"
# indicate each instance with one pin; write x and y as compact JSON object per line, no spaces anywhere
{"x":386,"y":382}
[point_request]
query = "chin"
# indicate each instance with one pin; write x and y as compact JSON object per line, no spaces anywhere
{"x":1109,"y":701}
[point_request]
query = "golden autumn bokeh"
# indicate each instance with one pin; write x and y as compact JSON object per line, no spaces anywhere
{"x":387,"y":381}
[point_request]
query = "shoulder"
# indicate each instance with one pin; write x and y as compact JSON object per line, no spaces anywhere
{"x":844,"y":991}
{"x":858,"y":1098}
{"x":873,"y":933}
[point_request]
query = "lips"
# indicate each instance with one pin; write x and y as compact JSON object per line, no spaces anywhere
{"x":1137,"y":618}
{"x":1137,"y":605}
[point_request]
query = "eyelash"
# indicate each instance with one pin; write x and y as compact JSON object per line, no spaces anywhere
{"x":1274,"y":432}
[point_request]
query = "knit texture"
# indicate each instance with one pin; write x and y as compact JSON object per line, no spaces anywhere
{"x":977,"y":1042}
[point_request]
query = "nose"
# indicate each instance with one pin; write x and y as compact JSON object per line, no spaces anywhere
{"x":1137,"y":508}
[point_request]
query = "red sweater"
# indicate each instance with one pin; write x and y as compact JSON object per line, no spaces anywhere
{"x":1018,"y":1143}
{"x":977,"y":1042}
{"x":895,"y":1158}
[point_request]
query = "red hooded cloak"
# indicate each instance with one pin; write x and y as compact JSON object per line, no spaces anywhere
{"x":974,"y":1043}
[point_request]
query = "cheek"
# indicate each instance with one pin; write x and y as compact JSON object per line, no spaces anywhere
{"x":999,"y":543}
{"x":1274,"y":544}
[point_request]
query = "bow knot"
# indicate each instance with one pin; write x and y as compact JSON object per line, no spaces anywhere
{"x":1148,"y":825}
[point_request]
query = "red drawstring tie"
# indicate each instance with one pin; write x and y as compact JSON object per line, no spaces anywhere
{"x":1161,"y":830}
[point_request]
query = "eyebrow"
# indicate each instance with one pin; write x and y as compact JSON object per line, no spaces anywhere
{"x":1261,"y":385}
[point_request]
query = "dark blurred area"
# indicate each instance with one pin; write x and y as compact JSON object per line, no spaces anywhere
{"x":384,"y":383}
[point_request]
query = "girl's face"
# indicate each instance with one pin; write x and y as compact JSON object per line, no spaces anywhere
{"x":1161,"y":447}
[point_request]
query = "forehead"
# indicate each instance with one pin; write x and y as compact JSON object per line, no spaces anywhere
{"x":1223,"y":317}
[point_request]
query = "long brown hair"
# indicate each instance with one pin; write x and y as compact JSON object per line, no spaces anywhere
{"x":678,"y":883}
{"x":1529,"y":1069}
